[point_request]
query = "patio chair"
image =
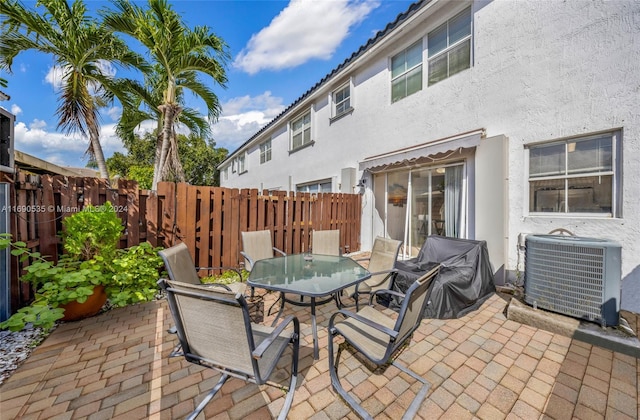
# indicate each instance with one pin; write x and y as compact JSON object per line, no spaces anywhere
{"x":257,"y":245}
{"x":180,"y":267}
{"x":377,"y":337}
{"x":381,"y":266}
{"x":216,"y":332}
{"x":326,"y":242}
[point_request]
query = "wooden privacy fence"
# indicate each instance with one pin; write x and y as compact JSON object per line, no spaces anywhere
{"x":208,"y":219}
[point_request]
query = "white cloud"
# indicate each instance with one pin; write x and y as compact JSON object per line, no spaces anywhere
{"x":55,"y":77}
{"x":114,"y":113}
{"x":244,"y":116}
{"x":61,"y":149}
{"x":16,"y":110}
{"x":304,"y":30}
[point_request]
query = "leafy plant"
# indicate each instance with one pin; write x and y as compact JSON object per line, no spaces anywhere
{"x":136,"y":275}
{"x":227,"y":277}
{"x":90,"y":239}
{"x":93,"y":232}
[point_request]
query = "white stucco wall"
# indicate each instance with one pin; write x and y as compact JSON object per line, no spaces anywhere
{"x":543,"y":70}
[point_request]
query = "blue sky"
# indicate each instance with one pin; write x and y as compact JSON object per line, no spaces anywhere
{"x":279,"y":50}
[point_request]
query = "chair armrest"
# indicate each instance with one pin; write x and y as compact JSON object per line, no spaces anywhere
{"x":384,"y":292}
{"x":279,"y":251}
{"x":348,"y":314}
{"x":222,"y":268}
{"x":224,"y":286}
{"x":388,"y":272}
{"x":248,"y":258}
{"x":259,"y":351}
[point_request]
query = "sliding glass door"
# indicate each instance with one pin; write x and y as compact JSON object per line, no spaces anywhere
{"x":419,"y":202}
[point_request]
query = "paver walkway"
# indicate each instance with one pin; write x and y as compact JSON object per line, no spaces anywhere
{"x":483,"y":366}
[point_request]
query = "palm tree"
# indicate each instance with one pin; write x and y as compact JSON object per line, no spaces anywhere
{"x":183,"y":54}
{"x":143,"y":102}
{"x":80,"y":47}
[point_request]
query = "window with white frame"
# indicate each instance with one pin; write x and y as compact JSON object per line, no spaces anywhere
{"x":577,"y":175}
{"x":224,"y":174}
{"x":341,"y":100}
{"x":315,"y":187}
{"x":265,"y":151}
{"x":449,"y":47}
{"x":242,"y":164}
{"x":406,"y":72}
{"x":301,"y":131}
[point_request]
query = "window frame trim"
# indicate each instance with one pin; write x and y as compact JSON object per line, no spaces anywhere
{"x":263,"y":153}
{"x":299,"y":116}
{"x":408,"y":70}
{"x":335,"y":115}
{"x":616,"y":174}
{"x":449,"y":48}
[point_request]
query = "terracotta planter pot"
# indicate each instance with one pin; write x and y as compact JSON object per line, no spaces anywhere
{"x":74,"y":311}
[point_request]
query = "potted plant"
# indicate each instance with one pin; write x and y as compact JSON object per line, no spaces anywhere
{"x":91,"y":270}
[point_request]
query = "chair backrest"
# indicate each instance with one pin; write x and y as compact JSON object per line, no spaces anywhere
{"x":413,"y":305}
{"x":179,"y":264}
{"x":257,"y":245}
{"x":383,"y":258}
{"x":210,"y":323}
{"x":325,"y":242}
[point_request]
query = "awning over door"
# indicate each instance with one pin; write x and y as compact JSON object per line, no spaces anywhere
{"x":434,"y":150}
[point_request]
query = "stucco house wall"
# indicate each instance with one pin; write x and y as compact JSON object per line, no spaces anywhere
{"x":541,"y":71}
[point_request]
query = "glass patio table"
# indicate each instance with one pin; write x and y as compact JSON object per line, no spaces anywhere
{"x":312,"y":275}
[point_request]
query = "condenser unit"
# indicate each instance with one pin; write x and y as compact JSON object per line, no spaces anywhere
{"x":574,"y":276}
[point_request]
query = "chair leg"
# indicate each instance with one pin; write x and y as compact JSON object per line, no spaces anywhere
{"x":208,"y":397}
{"x":295,"y":351}
{"x":355,"y":406}
{"x":337,"y":386}
{"x":420,"y":396}
{"x":177,"y":351}
{"x":289,"y":400}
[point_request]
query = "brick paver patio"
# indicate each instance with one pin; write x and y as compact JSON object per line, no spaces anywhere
{"x":483,"y":366}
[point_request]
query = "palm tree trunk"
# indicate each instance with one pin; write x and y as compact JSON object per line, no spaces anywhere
{"x":170,"y":113}
{"x":96,"y":149}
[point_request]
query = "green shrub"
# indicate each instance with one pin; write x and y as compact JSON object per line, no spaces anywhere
{"x":136,"y":275}
{"x":90,"y":239}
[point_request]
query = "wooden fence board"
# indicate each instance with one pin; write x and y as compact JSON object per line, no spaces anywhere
{"x":217,"y":239}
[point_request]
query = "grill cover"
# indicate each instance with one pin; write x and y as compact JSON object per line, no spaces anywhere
{"x":464,"y":282}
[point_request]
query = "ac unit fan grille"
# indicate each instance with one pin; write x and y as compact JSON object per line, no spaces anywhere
{"x":566,"y":277}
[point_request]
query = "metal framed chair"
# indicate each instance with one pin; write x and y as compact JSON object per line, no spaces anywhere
{"x":216,"y":332}
{"x":257,"y":245}
{"x":326,"y":242}
{"x":381,"y":266}
{"x":377,"y":337}
{"x":180,"y":267}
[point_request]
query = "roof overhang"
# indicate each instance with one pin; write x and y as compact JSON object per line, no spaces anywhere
{"x":434,"y":150}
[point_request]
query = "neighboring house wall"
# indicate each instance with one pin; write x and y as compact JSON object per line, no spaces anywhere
{"x":541,"y":72}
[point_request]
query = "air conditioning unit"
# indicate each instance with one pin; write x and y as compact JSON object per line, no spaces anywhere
{"x":574,"y":276}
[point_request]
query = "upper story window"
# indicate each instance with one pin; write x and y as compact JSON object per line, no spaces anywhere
{"x":449,"y":47}
{"x":406,"y":72}
{"x":577,"y":175}
{"x":242,"y":164}
{"x":265,"y":151}
{"x":301,"y":131}
{"x":342,"y":100}
{"x":224,"y":174}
